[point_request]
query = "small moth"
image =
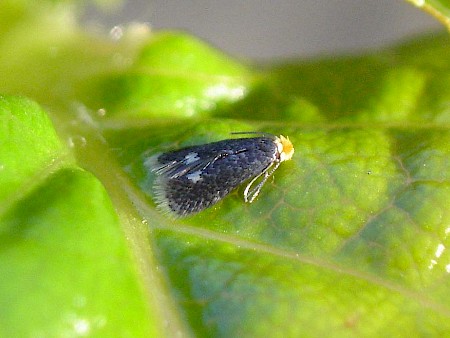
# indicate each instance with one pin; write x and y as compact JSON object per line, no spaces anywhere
{"x":194,"y":178}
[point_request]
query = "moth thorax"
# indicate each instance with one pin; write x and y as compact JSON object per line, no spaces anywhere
{"x":285,"y":148}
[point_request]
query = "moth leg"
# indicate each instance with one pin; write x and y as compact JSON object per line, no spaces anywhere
{"x":251,"y":193}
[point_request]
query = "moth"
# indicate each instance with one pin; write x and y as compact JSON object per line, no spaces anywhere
{"x":194,"y":178}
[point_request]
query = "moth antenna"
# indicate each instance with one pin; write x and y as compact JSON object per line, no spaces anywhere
{"x":254,"y":132}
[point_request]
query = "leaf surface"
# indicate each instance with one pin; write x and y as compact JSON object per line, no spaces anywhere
{"x":350,"y":237}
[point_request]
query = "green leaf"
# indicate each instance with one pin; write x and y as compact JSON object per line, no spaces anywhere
{"x":64,"y":259}
{"x":22,"y":159}
{"x":174,"y":75}
{"x":438,"y":8}
{"x":350,"y":238}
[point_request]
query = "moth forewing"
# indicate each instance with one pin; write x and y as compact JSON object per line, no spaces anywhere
{"x":194,"y":178}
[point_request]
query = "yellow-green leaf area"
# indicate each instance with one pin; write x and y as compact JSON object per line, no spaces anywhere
{"x":66,"y":269}
{"x":29,"y":145}
{"x":174,"y":75}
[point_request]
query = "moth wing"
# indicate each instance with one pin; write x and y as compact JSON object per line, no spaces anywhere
{"x":192,"y":179}
{"x":185,"y":189}
{"x":184,"y":196}
{"x":177,"y":168}
{"x":176,"y":186}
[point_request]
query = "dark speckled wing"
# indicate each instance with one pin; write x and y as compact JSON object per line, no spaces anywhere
{"x":194,"y":178}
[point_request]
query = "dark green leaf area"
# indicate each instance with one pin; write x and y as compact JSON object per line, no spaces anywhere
{"x":28,"y":144}
{"x":65,"y":264}
{"x":371,"y":198}
{"x":371,"y":201}
{"x":351,"y":173}
{"x":374,"y":197}
{"x":175,"y":75}
{"x":408,"y":83}
{"x":231,"y":289}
